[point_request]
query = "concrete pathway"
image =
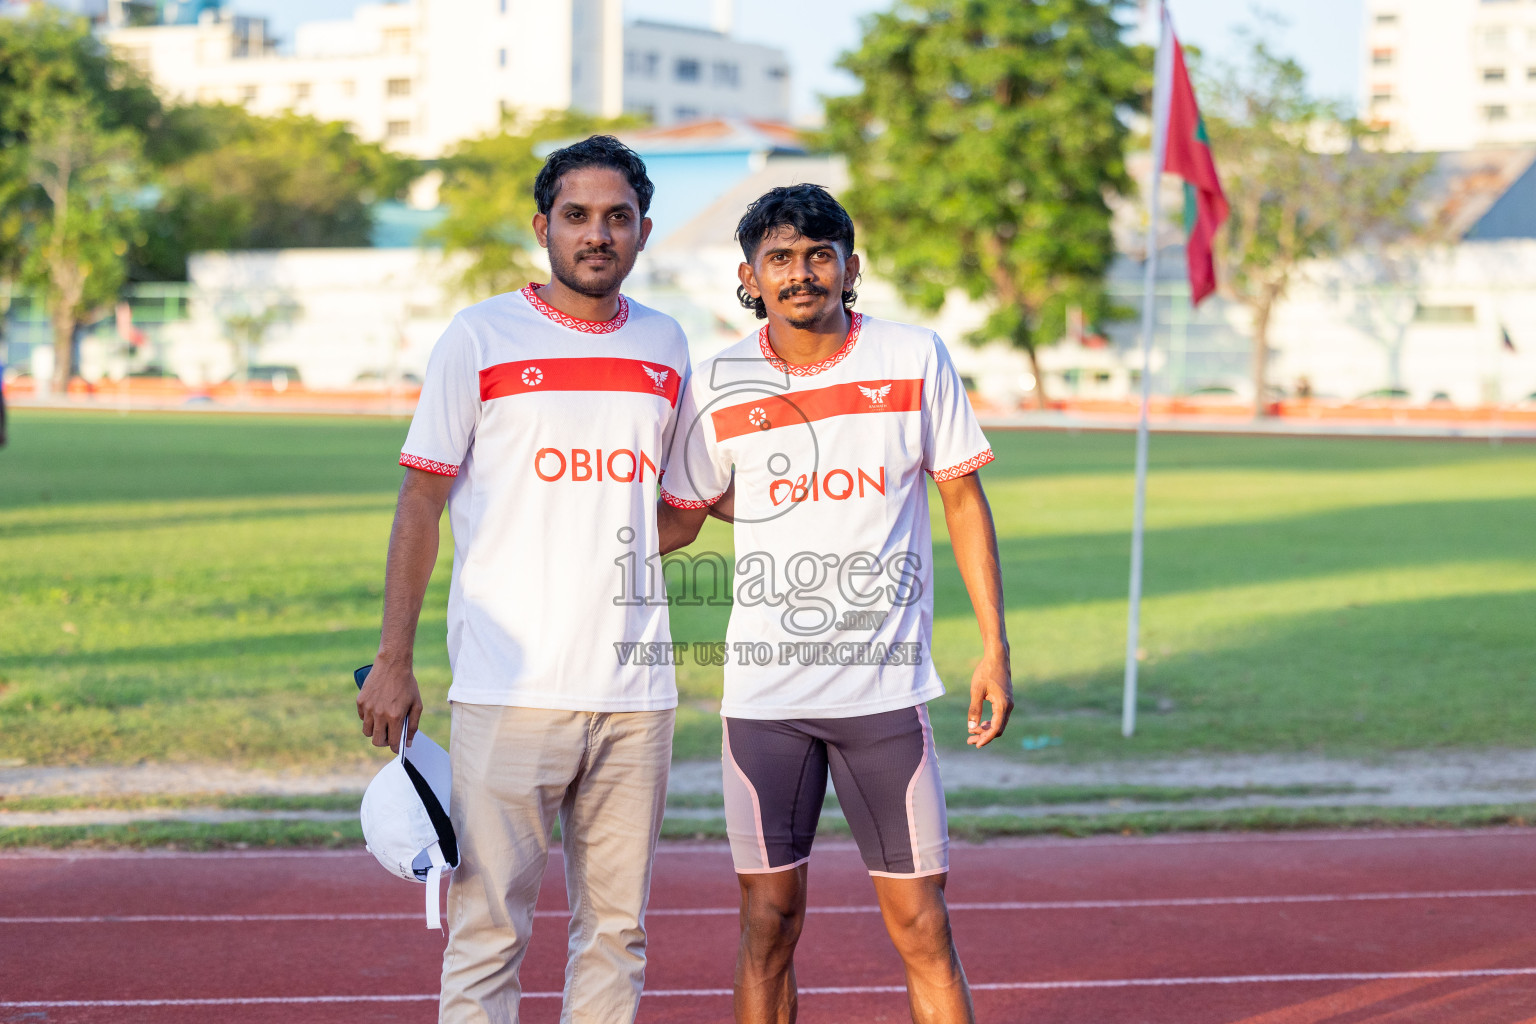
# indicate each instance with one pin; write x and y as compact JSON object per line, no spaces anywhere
{"x":1419,"y":779}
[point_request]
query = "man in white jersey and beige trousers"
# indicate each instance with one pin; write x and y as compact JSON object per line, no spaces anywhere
{"x":817,"y":434}
{"x":542,"y":426}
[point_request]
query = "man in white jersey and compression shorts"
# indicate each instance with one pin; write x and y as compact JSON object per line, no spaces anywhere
{"x":543,"y":424}
{"x":817,"y":435}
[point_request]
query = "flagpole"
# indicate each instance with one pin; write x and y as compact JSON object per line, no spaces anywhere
{"x":1160,"y":103}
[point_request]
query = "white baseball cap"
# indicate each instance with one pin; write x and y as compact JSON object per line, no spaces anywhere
{"x":405,"y":818}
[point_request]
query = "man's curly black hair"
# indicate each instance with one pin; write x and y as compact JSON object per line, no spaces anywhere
{"x":596,"y":151}
{"x":811,"y":211}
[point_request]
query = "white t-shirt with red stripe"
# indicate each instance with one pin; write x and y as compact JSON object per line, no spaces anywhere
{"x":555,"y":429}
{"x":833,"y":612}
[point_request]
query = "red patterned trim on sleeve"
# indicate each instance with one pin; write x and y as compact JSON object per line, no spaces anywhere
{"x":416,"y":462}
{"x":856,"y":321}
{"x":676,"y":502}
{"x":530,"y":292}
{"x":970,"y":465}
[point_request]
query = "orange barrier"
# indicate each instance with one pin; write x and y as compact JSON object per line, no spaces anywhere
{"x":1365,"y":412}
{"x":261,"y":396}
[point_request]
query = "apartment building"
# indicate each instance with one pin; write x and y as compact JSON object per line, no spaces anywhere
{"x":675,"y":73}
{"x":424,"y":74}
{"x":1444,"y":75}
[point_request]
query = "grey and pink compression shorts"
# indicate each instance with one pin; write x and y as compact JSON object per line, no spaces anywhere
{"x":884,"y":769}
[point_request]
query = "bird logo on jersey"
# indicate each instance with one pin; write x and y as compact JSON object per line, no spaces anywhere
{"x":533,"y":376}
{"x":876,"y":396}
{"x":658,"y":377}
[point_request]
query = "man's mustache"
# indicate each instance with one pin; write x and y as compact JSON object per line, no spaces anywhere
{"x":601,"y":250}
{"x":806,"y":288}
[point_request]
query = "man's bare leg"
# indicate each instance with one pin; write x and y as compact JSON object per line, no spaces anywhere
{"x":772,"y":914}
{"x":917,"y":919}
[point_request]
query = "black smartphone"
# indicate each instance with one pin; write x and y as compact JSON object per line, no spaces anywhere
{"x":361,"y":675}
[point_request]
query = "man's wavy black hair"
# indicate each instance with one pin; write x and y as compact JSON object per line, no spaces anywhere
{"x":597,"y":151}
{"x":811,"y":211}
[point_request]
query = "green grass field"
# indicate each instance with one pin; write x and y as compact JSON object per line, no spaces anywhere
{"x":199,"y":588}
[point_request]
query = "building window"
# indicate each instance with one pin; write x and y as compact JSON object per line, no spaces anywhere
{"x":686,"y":69}
{"x":397,"y":87}
{"x":1381,"y":94}
{"x":1386,"y":18}
{"x":397,"y":129}
{"x":1382,"y":58}
{"x":726,"y":73}
{"x":348,"y":87}
{"x":1530,"y":74}
{"x":1495,"y":112}
{"x":397,"y":40}
{"x":643,"y":65}
{"x":501,"y":57}
{"x":685,"y":113}
{"x":503,"y":6}
{"x":1495,"y":38}
{"x":1493,"y":76}
{"x":247,"y":94}
{"x":300,"y":91}
{"x":778,"y":74}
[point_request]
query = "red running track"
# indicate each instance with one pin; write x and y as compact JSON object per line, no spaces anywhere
{"x":1386,"y":928}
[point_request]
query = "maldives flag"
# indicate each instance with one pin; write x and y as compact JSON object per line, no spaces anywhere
{"x":1188,"y":155}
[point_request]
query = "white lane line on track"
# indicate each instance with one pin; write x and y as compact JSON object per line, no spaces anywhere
{"x":1043,"y":905}
{"x":830,"y":990}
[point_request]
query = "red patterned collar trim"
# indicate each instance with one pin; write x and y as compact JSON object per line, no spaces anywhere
{"x":566,"y":320}
{"x":810,"y":369}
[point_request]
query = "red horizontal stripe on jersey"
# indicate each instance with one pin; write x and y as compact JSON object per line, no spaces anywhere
{"x":589,"y":374}
{"x":862,"y":396}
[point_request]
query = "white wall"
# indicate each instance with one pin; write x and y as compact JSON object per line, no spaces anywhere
{"x":355,"y":311}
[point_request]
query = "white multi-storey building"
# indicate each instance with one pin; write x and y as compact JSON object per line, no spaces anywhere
{"x":418,"y":76}
{"x":673,"y":73}
{"x":1446,"y":75}
{"x":424,"y":74}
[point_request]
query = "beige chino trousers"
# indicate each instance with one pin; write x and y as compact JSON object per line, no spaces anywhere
{"x":514,"y":770}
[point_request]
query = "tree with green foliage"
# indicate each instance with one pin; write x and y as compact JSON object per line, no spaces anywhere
{"x":1304,"y":184}
{"x":72,"y":120}
{"x":488,"y":192}
{"x":90,"y":177}
{"x":247,"y":182}
{"x":984,"y":147}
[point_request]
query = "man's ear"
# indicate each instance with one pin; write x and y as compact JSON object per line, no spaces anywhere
{"x":748,"y":280}
{"x":645,"y":232}
{"x":850,"y":270}
{"x":541,"y":229}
